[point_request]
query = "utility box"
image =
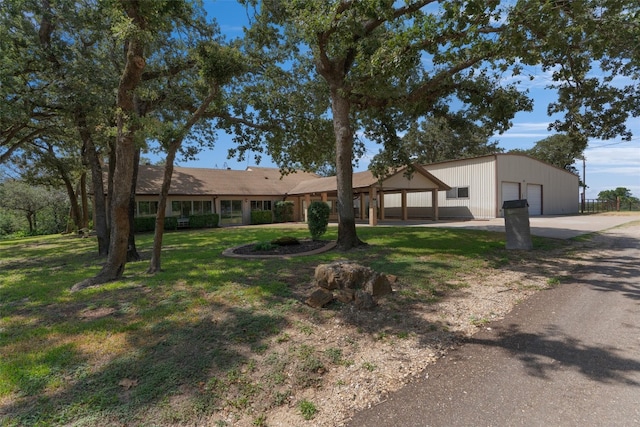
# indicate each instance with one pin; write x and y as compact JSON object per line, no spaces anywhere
{"x":516,"y":224}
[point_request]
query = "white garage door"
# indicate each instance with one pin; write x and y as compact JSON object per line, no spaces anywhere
{"x":534,"y":198}
{"x":510,"y":191}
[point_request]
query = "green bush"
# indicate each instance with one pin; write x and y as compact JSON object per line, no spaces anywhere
{"x":261,"y":217}
{"x":283,"y":211}
{"x":318,"y":218}
{"x":171,"y":223}
{"x":203,"y":221}
{"x":142,"y":224}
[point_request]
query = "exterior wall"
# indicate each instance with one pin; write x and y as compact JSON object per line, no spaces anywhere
{"x":560,"y":189}
{"x":478,"y":174}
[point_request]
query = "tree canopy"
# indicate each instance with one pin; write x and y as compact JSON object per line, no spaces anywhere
{"x":558,"y":150}
{"x":372,"y":68}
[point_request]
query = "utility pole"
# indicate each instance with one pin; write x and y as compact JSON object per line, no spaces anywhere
{"x":584,"y":181}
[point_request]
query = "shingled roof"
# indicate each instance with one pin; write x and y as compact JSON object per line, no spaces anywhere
{"x":363,"y":180}
{"x":256,"y":181}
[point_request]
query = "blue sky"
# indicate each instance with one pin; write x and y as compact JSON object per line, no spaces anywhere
{"x":609,"y":164}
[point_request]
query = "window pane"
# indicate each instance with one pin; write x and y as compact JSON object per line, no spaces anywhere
{"x":267,"y":205}
{"x":451,"y":194}
{"x":197,"y":207}
{"x":463,"y":192}
{"x":143,"y":208}
{"x":185,"y":209}
{"x":153,"y":208}
{"x":206,"y":206}
{"x":175,"y":208}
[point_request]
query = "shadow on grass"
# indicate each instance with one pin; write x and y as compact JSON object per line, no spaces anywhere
{"x":167,"y":358}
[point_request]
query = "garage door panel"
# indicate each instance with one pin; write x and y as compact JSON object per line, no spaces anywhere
{"x":510,"y":191}
{"x":534,"y":198}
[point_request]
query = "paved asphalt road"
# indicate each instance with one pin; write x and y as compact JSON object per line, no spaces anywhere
{"x":569,"y":356}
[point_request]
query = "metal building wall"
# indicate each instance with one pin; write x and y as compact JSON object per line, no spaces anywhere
{"x":479,"y":175}
{"x":560,"y":191}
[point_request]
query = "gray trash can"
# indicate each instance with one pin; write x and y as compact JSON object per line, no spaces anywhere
{"x":516,"y":224}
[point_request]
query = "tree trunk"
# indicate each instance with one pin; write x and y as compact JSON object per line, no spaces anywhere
{"x":91,"y":159}
{"x":85,"y":200}
{"x":155,"y":264}
{"x":125,"y":155}
{"x":132,"y":251}
{"x":347,"y":236}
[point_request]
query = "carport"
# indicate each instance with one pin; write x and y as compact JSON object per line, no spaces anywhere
{"x":370,"y":191}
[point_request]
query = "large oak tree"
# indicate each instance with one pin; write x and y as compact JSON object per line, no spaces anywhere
{"x":371,"y":67}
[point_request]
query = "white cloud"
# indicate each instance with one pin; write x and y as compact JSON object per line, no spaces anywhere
{"x":615,"y":157}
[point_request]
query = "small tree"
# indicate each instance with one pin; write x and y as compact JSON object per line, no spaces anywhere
{"x":318,"y":217}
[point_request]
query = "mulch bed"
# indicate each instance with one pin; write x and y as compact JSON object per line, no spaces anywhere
{"x":303,"y":247}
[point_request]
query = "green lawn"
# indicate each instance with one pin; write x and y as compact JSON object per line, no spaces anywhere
{"x":127,"y":351}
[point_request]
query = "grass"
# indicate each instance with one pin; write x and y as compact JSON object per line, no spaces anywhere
{"x":186,"y":343}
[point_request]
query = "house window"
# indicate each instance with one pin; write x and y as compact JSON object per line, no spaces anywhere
{"x":185,"y":208}
{"x":458,"y":193}
{"x":231,"y":211}
{"x":147,"y":208}
{"x":261,"y":205}
{"x":181,"y":208}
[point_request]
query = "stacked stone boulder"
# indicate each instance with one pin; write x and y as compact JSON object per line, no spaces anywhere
{"x":348,"y":282}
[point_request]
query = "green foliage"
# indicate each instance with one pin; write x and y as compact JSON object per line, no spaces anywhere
{"x":261,"y":217}
{"x":620,"y":192}
{"x":264,"y":246}
{"x":318,"y":218}
{"x":171,"y":223}
{"x":142,"y":224}
{"x":286,"y":241}
{"x":204,"y":221}
{"x":34,"y":209}
{"x":559,"y":150}
{"x":283,"y":211}
{"x":148,"y":223}
{"x":307,"y":409}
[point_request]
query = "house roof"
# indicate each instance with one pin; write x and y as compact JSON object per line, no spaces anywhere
{"x":421,"y":180}
{"x":203,"y":181}
{"x":259,"y":181}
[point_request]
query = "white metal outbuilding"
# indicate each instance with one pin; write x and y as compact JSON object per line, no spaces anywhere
{"x":481,"y":184}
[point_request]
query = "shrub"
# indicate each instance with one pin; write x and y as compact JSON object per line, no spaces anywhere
{"x":142,"y":224}
{"x":283,"y":211}
{"x":171,"y":223}
{"x":286,"y":241}
{"x":318,"y":217}
{"x":261,"y":217}
{"x":263,"y":246}
{"x":203,"y":221}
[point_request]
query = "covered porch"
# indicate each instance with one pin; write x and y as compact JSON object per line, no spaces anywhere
{"x":369,"y":193}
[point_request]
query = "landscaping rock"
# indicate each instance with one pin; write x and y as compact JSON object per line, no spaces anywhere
{"x":319,"y":298}
{"x":364,"y":300}
{"x":349,"y":283}
{"x":345,"y":295}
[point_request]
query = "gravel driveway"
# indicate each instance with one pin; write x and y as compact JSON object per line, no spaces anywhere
{"x":569,"y":356}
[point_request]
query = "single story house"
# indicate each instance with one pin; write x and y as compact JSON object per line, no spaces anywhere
{"x":472,"y":188}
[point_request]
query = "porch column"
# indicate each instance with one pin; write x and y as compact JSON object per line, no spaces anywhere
{"x":373,"y":207}
{"x":434,"y":203}
{"x":324,"y":197}
{"x":381,"y":204}
{"x":405,"y":211}
{"x":362,"y":206}
{"x":307,"y":201}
